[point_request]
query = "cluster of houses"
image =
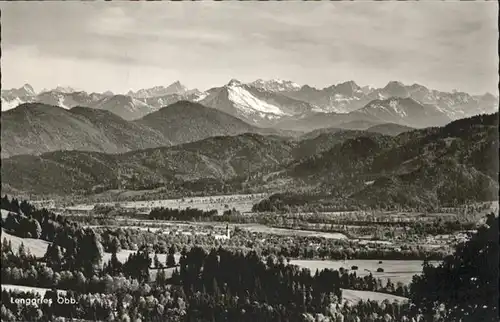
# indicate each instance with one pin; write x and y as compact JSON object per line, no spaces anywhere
{"x":452,"y":239}
{"x":225,"y":236}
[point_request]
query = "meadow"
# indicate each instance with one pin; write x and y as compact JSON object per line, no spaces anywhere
{"x":352,"y":297}
{"x":37,"y":247}
{"x":395,"y":270}
{"x":242,"y":203}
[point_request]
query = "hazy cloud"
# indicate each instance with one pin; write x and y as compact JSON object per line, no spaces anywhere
{"x":118,"y":46}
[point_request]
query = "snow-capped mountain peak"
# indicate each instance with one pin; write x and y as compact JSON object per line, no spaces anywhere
{"x":234,"y":82}
{"x":254,"y":104}
{"x":64,"y":89}
{"x":396,"y":89}
{"x":394,"y":84}
{"x":416,"y":86}
{"x":28,"y":89}
{"x":348,"y":88}
{"x":405,"y":111}
{"x":25,"y":90}
{"x":11,"y":98}
{"x":275,"y":85}
{"x":174,"y":88}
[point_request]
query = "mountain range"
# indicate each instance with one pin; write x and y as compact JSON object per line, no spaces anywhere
{"x":280,"y":104}
{"x":34,"y":128}
{"x":174,"y":88}
{"x":253,"y":104}
{"x":419,"y":168}
{"x":131,"y":106}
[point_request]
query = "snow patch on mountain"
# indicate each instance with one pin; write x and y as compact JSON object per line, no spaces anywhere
{"x":201,"y":96}
{"x":28,"y":90}
{"x":249,"y":104}
{"x":332,"y":108}
{"x":318,"y":109}
{"x":60,"y":103}
{"x":10,"y":104}
{"x":341,"y":98}
{"x":394,"y":104}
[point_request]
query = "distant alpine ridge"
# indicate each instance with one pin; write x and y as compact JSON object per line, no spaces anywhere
{"x":279,"y":103}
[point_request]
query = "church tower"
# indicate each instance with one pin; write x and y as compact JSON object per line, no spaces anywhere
{"x":227,"y":232}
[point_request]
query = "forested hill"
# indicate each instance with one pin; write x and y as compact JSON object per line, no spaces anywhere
{"x":453,"y":164}
{"x":428,"y":167}
{"x":35,"y":128}
{"x":219,"y":158}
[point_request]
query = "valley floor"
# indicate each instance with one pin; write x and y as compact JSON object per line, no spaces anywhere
{"x":395,"y":270}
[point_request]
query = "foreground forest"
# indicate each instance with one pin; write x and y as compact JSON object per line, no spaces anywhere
{"x":225,"y":283}
{"x":420,"y":169}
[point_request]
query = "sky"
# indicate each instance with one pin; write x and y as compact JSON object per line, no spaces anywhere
{"x":99,"y":46}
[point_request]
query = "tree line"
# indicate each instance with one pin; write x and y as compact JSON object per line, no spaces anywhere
{"x":187,"y":214}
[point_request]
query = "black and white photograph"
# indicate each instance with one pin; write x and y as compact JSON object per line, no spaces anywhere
{"x":249,"y":161}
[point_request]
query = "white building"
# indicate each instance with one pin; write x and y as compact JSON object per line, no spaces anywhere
{"x":224,"y":237}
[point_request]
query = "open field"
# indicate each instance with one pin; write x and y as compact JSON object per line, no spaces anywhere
{"x":123,"y":255}
{"x":154,"y":272}
{"x":242,"y":203}
{"x":20,"y":288}
{"x":5,"y":213}
{"x":351,"y":297}
{"x":37,"y":247}
{"x":291,"y":232}
{"x":396,"y":270}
